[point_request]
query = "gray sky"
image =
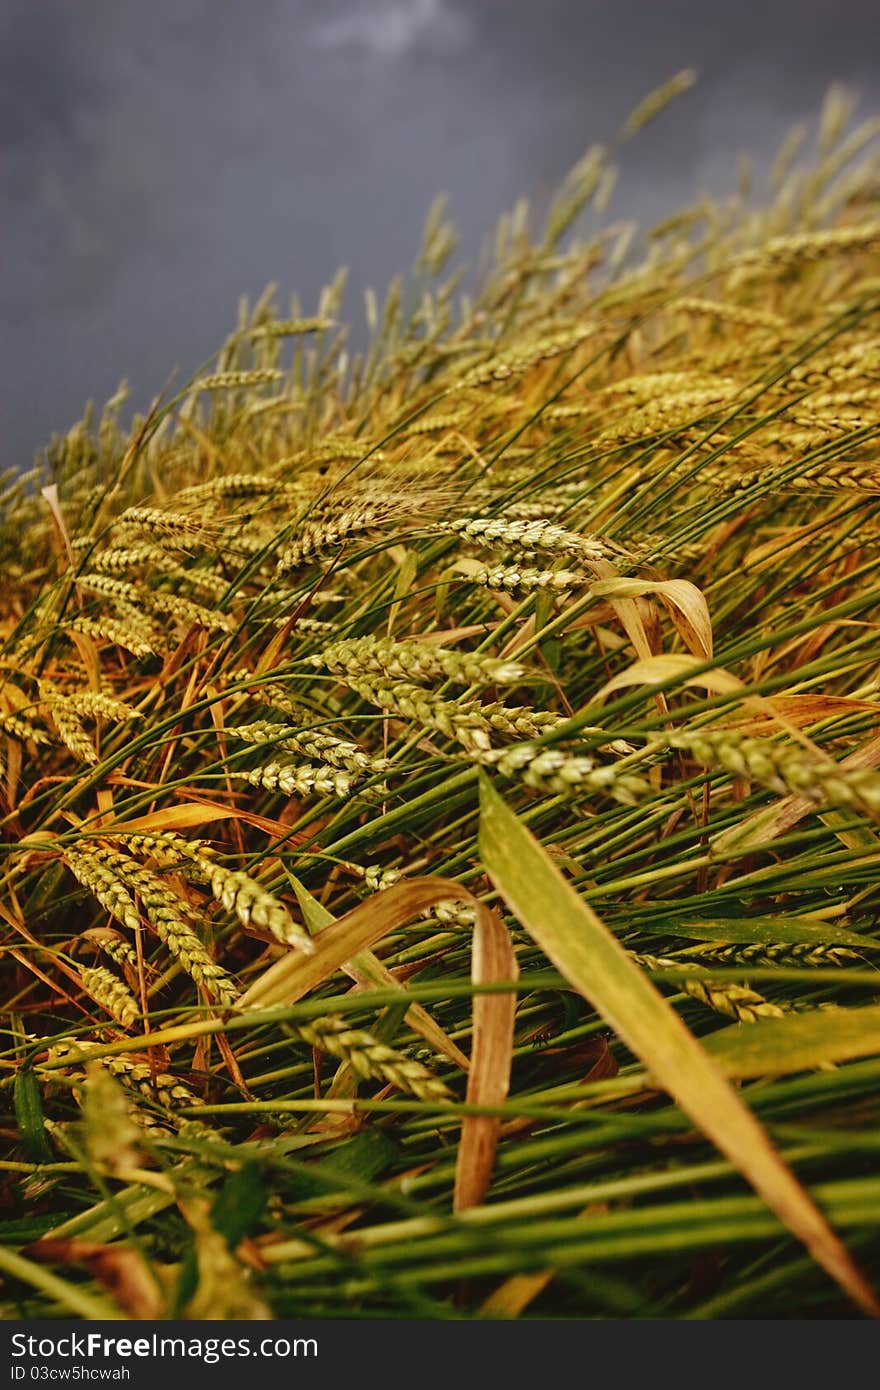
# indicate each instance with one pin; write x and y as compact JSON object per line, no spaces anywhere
{"x":160,"y":159}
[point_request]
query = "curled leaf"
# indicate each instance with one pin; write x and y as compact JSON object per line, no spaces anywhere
{"x":493,"y":960}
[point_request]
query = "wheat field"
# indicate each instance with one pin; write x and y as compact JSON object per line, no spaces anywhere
{"x":440,"y":789}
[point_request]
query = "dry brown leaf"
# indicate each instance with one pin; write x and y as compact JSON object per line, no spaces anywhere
{"x":669,"y":666}
{"x":685,"y":602}
{"x":296,"y":975}
{"x":123,"y":1272}
{"x":50,"y":494}
{"x":627,"y":611}
{"x":190,"y":814}
{"x":491,"y":1056}
{"x":805,"y":710}
{"x":369,"y":972}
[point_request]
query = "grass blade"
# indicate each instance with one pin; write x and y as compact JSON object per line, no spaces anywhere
{"x":582,"y":948}
{"x":775,"y":1046}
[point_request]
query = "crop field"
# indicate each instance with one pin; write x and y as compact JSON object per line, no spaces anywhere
{"x":440,"y":788}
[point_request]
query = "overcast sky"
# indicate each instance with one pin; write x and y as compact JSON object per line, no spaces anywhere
{"x":160,"y":159}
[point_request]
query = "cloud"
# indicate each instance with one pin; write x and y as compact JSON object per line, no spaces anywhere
{"x":392,"y":29}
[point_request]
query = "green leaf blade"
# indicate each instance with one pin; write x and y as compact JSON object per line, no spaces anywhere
{"x":590,"y":957}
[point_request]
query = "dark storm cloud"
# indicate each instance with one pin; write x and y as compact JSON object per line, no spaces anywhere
{"x":158,"y":160}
